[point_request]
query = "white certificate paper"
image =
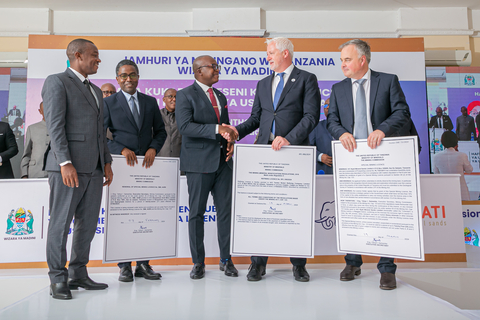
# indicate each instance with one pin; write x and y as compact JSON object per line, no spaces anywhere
{"x":273,"y":202}
{"x":377,"y":199}
{"x":141,"y":211}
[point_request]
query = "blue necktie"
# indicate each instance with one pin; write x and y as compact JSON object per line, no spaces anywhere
{"x":133,"y":108}
{"x":276,"y":97}
{"x":361,"y":125}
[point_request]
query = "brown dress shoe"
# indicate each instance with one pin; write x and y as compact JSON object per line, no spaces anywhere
{"x":388,"y":281}
{"x":349,"y":273}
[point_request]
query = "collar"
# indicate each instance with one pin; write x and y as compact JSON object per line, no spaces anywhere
{"x":128,"y":95}
{"x":287,"y":71}
{"x":366,"y":76}
{"x":78,"y":74}
{"x":203,"y":86}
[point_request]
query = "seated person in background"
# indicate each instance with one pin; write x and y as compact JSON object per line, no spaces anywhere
{"x":36,"y":144}
{"x":322,"y":139}
{"x":451,"y":160}
{"x":466,"y":126}
{"x":440,"y":120}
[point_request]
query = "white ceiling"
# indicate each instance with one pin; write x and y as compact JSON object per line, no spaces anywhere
{"x":268,"y":5}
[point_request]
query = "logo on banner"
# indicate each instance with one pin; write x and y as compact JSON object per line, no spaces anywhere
{"x":434,"y":216}
{"x":327,"y":215}
{"x":469,"y":80}
{"x":20,"y":222}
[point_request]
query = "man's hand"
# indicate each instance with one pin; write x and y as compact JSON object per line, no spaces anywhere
{"x":228,"y":132}
{"x":230,"y":147}
{"x":25,"y":177}
{"x":130,"y":156}
{"x":375,"y":138}
{"x":279,"y":142}
{"x":326,"y":159}
{"x":149,"y":158}
{"x":108,"y":174}
{"x":348,"y":141}
{"x":69,"y":175}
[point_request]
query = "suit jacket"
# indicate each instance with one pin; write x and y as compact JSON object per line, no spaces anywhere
{"x":389,"y":111}
{"x":75,"y":124}
{"x":119,"y":119}
{"x":173,"y":144}
{"x":8,"y":149}
{"x":322,"y":139}
{"x":36,"y":144}
{"x":451,"y":161}
{"x":297,"y":112}
{"x":196,"y":120}
{"x":447,"y":122}
{"x":464,"y":133}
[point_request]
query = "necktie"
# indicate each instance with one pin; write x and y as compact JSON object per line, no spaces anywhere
{"x":276,"y":97}
{"x":214,"y":103}
{"x":439,"y":122}
{"x":87,"y":85}
{"x":133,"y":108}
{"x":361,"y":125}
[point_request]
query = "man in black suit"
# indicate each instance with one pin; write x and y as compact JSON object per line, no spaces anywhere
{"x":205,"y":157}
{"x":286,"y":109}
{"x":137,"y":128}
{"x":322,"y":139}
{"x":440,"y":120}
{"x":77,"y":160}
{"x":8,"y":149}
{"x":385,"y":112}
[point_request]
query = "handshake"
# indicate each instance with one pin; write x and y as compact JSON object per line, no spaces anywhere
{"x":228,"y":132}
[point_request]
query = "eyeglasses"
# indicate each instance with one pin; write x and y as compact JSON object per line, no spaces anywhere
{"x":170,"y":96}
{"x":132,"y":76}
{"x":213,"y":66}
{"x":109,"y":92}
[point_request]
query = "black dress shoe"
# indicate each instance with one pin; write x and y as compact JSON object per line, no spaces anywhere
{"x":126,"y":274}
{"x":349,"y":273}
{"x":388,"y":281}
{"x":86,"y":283}
{"x":145,"y":271}
{"x":198,"y":271}
{"x":60,"y":291}
{"x":229,"y":268}
{"x":301,"y":274}
{"x":255,"y":272}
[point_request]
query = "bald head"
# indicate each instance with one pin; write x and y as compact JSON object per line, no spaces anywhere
{"x":108,"y":89}
{"x":206,"y":70}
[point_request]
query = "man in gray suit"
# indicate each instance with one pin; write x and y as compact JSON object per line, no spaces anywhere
{"x":206,"y":159}
{"x":36,"y":144}
{"x":77,"y":160}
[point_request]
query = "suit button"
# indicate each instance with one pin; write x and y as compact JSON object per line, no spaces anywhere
{"x":274,"y":113}
{"x":99,"y":136}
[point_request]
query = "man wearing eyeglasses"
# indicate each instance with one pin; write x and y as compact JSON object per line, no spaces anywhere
{"x":108,"y":89}
{"x":322,"y":139}
{"x":172,"y":145}
{"x":137,"y":130}
{"x":206,"y":160}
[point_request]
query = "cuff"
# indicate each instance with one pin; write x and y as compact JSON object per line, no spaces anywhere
{"x":320,"y":157}
{"x":65,"y":162}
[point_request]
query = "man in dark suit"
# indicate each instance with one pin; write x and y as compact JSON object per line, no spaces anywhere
{"x":366,"y":105}
{"x":137,"y":128}
{"x":8,"y":149}
{"x":286,"y":109}
{"x":322,"y":139}
{"x":205,"y":157}
{"x":77,"y":161}
{"x":440,"y":120}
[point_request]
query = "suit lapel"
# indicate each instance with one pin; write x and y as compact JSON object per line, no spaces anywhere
{"x":374,"y":81}
{"x":142,"y":107}
{"x":122,"y":101}
{"x":83,"y":89}
{"x":206,"y":101}
{"x":347,"y":87}
{"x":269,"y":89}
{"x":290,"y":83}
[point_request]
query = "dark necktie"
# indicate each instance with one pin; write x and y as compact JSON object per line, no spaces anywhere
{"x":87,"y":85}
{"x":136,"y":115}
{"x":276,"y":97}
{"x":439,"y":122}
{"x":214,"y":103}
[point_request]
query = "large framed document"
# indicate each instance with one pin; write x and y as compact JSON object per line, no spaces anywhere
{"x":141,"y":210}
{"x":273,"y":202}
{"x":377,"y":199}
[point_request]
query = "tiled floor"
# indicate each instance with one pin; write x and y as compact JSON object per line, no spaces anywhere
{"x":425,"y":291}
